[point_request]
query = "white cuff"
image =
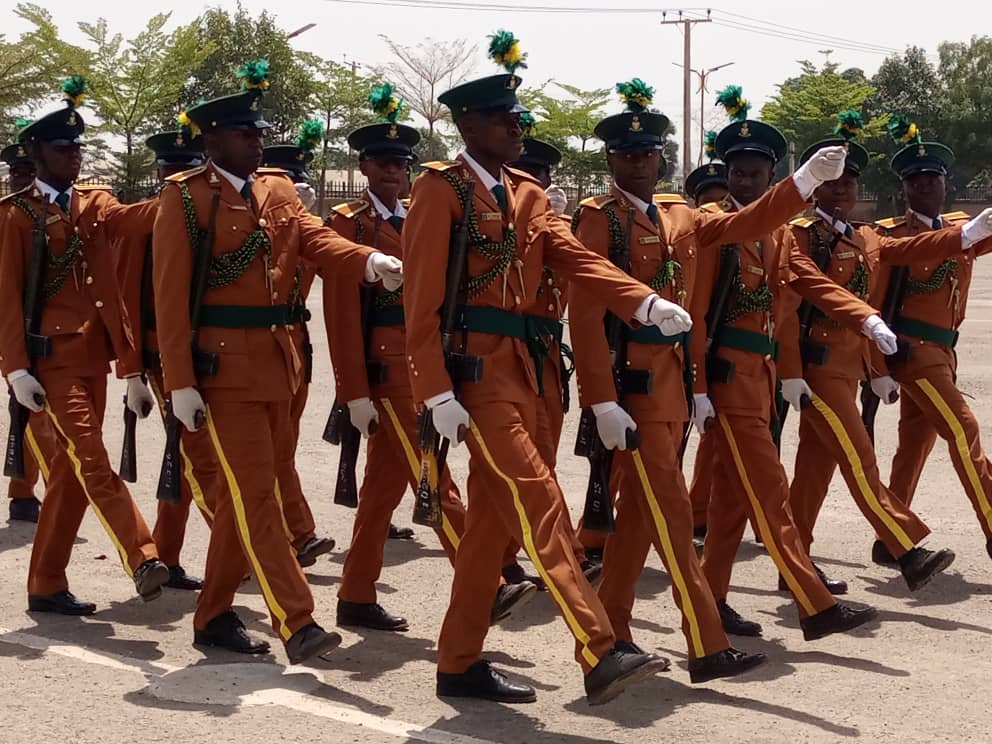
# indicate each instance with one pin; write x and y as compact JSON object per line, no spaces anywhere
{"x":371,"y":277}
{"x":971,"y":233}
{"x":600,"y":408}
{"x":805,"y":182}
{"x":435,"y":400}
{"x":642,"y":315}
{"x":353,"y":404}
{"x":17,"y":374}
{"x":869,"y":324}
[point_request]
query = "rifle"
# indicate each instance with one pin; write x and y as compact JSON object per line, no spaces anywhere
{"x":894,"y":294}
{"x":128,"y":469}
{"x":461,"y":368}
{"x":36,"y":345}
{"x":598,"y":511}
{"x":205,"y":363}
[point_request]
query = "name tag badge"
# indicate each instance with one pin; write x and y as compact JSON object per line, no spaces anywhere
{"x":648,"y":239}
{"x":847,"y":254}
{"x":239,"y":207}
{"x":756,"y":270}
{"x":491,"y":216}
{"x":52,"y":219}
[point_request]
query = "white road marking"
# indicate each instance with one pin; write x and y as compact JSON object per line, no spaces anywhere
{"x":158,"y":677}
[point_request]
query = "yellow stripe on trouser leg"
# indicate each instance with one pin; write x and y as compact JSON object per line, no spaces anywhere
{"x":764,"y":530}
{"x":36,"y":452}
{"x":242,"y":522}
{"x":661,"y":526}
{"x":960,"y":444}
{"x":282,"y":511}
{"x":528,"y":539}
{"x":851,"y":453}
{"x":77,"y":466}
{"x":196,"y":491}
{"x":414,"y":462}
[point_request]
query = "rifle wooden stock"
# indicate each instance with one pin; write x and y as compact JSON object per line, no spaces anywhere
{"x":36,"y":345}
{"x":718,"y":369}
{"x":461,"y":368}
{"x":128,"y":469}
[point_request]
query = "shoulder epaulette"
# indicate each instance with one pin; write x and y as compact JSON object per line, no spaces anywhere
{"x":351,"y":209}
{"x":959,"y":215}
{"x":712,"y":208}
{"x":890,"y":223}
{"x":441,"y":165}
{"x":803,"y":222}
{"x":186,"y":174}
{"x":22,"y":192}
{"x":516,"y":173}
{"x":597,"y":202}
{"x":93,"y":187}
{"x":670,"y":199}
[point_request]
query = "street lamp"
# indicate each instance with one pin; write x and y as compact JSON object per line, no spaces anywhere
{"x":703,"y":75}
{"x":300,"y":30}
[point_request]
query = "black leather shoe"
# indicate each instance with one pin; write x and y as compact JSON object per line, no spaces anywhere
{"x":149,"y":578}
{"x":400,"y":533}
{"x":834,"y":586}
{"x":309,"y":641}
{"x":485,"y":683}
{"x":24,"y":510}
{"x":734,"y":624}
{"x":836,"y":619}
{"x":228,"y":632}
{"x":515,"y":574}
{"x":369,"y":615}
{"x":593,"y":571}
{"x":313,"y":549}
{"x":179,"y":579}
{"x":881,"y":555}
{"x":62,"y":603}
{"x":920,"y":565}
{"x":628,"y":647}
{"x":727,"y":663}
{"x":617,"y":671}
{"x":510,"y":597}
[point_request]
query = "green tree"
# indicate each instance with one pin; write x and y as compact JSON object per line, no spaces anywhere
{"x":234,"y":38}
{"x":134,"y":84}
{"x":965,"y":71}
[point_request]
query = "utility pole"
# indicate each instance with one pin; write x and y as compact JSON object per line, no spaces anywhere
{"x":351,"y":166}
{"x":686,"y":24}
{"x":703,"y":76}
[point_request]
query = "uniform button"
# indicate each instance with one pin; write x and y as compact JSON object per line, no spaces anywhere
{"x":273,"y":327}
{"x":409,"y":358}
{"x":58,"y":328}
{"x":382,"y":347}
{"x":824,"y":334}
{"x":551,"y":308}
{"x":262,"y":222}
{"x":416,"y":373}
{"x":926,"y":268}
{"x":94,"y":224}
{"x":275,"y":295}
{"x":89,"y":280}
{"x":221,"y":344}
{"x":98,"y":303}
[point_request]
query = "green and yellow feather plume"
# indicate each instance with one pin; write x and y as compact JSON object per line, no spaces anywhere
{"x":733,"y":102}
{"x":74,"y":90}
{"x":311,"y":135}
{"x":527,"y":124}
{"x":504,"y":50}
{"x":187,"y":126}
{"x":850,"y":125}
{"x":709,"y":144}
{"x":635,"y":94}
{"x":254,"y":75}
{"x":903,"y":130}
{"x":384,"y":103}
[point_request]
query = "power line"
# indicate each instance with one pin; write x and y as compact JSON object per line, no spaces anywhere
{"x":496,"y":7}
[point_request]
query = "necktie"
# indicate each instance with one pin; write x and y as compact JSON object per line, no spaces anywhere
{"x":937,"y":223}
{"x":62,"y":200}
{"x":652,"y":212}
{"x":499,"y":191}
{"x":246,"y":191}
{"x":396,"y":222}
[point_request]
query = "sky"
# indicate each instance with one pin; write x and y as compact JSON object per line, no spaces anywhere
{"x":595,"y":49}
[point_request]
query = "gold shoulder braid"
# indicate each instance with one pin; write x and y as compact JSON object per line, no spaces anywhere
{"x":62,"y":265}
{"x":225,"y":268}
{"x":501,"y":253}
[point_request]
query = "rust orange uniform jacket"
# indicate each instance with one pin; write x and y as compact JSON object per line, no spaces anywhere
{"x":256,"y":364}
{"x":542,"y":240}
{"x":689,"y":238}
{"x":85,"y":315}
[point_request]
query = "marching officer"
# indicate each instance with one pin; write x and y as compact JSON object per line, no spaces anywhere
{"x":240,"y":237}
{"x":298,"y":520}
{"x":830,"y":429}
{"x":85,"y":326}
{"x":24,"y":505}
{"x":931,"y":309}
{"x":175,"y":151}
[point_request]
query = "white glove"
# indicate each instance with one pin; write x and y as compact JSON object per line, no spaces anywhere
{"x":187,"y":406}
{"x":139,"y":397}
{"x":451,"y":420}
{"x":876,"y":330}
{"x":306,"y":193}
{"x":886,"y":389}
{"x":978,"y":228}
{"x":826,"y":164}
{"x":671,"y":318}
{"x":702,"y":412}
{"x":612,"y":423}
{"x":387,"y":269}
{"x":364,"y":416}
{"x":794,"y":390}
{"x":556,"y":195}
{"x":29,"y":392}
